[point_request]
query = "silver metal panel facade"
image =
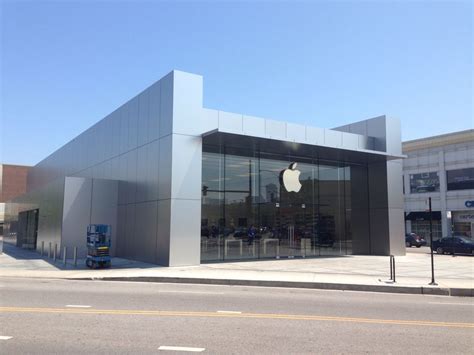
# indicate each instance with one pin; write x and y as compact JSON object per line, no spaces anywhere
{"x":230,"y":121}
{"x":275,"y":129}
{"x":253,"y":125}
{"x":87,"y":201}
{"x":153,"y":146}
{"x":145,"y":231}
{"x":103,"y":210}
{"x":185,"y":232}
{"x":385,"y":185}
{"x":332,"y":138}
{"x":315,"y":135}
{"x":76,"y":213}
{"x":295,"y":132}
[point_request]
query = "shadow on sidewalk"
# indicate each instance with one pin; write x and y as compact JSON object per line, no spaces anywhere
{"x":27,"y":255}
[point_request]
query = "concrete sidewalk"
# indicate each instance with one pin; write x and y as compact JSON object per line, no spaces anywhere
{"x":454,"y":275}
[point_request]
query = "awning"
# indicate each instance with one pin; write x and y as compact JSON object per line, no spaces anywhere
{"x":423,"y":216}
{"x":281,"y":146}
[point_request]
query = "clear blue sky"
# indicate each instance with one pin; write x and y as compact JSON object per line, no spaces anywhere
{"x":66,"y":64}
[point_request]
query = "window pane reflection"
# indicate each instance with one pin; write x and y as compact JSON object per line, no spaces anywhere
{"x":248,"y":214}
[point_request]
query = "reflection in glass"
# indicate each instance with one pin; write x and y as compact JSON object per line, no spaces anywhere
{"x":248,"y":214}
{"x":424,"y":182}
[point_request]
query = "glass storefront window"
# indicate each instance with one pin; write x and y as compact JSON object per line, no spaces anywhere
{"x":424,"y":182}
{"x":422,"y":228}
{"x":460,"y":179}
{"x":247,"y":212}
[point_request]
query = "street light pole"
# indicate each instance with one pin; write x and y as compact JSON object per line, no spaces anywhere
{"x":433,"y":283}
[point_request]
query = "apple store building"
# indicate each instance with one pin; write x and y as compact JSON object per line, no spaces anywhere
{"x":181,"y":184}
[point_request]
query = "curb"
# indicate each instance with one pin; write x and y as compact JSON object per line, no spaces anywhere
{"x":415,"y":290}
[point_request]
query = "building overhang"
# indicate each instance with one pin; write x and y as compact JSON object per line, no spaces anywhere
{"x":282,"y":146}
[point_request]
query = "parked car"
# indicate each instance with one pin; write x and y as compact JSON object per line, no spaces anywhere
{"x":454,"y":244}
{"x":412,"y":239}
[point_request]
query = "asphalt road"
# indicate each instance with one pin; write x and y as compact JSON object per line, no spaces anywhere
{"x":60,"y":316}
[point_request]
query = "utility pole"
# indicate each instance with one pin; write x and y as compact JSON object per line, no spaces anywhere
{"x":433,"y":283}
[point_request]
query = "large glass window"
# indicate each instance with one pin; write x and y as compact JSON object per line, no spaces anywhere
{"x":460,"y":179}
{"x":257,"y":204}
{"x":424,"y":182}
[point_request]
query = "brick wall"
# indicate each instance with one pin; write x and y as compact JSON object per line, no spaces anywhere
{"x":13,"y":181}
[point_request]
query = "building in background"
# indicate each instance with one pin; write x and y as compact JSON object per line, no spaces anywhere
{"x":440,"y":167}
{"x":181,"y":184}
{"x":12,"y":184}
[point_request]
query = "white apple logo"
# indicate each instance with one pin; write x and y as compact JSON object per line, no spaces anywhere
{"x":290,"y":178}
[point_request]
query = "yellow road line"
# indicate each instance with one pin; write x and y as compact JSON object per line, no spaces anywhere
{"x":234,"y":315}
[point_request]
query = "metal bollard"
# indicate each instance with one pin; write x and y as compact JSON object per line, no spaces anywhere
{"x":54,"y":251}
{"x":42,"y":247}
{"x":75,"y":256}
{"x":49,"y":250}
{"x":64,"y":255}
{"x":392,"y":268}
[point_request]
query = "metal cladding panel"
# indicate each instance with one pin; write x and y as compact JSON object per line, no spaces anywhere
{"x":123,"y":113}
{"x":360,"y":230}
{"x":296,"y":132}
{"x":230,"y":122}
{"x":166,"y":105}
{"x":104,"y":206}
{"x":154,"y":103}
{"x":122,"y":176}
{"x":142,"y":162}
{"x":350,"y":141}
{"x":378,"y":193}
{"x":145,"y":231}
{"x":108,"y":128}
{"x":108,"y":174}
{"x":164,"y":170}
{"x":397,"y":231}
{"x":132,"y":158}
{"x":186,"y":167}
{"x":115,"y":133}
{"x":379,"y":231}
{"x":120,"y":249}
{"x":163,"y":232}
{"x":393,"y":136}
{"x":395,"y":184}
{"x":359,"y":128}
{"x":254,"y":126}
{"x":76,"y":213}
{"x":152,"y":170}
{"x":96,"y":172}
{"x":115,"y":168}
{"x":275,"y":129}
{"x":185,"y":235}
{"x":187,"y":103}
{"x":314,"y":135}
{"x":363,"y":143}
{"x":130,"y":243}
{"x":49,"y":199}
{"x":102,"y":140}
{"x":332,"y":138}
{"x":133,"y":123}
{"x":143,"y":113}
{"x":376,"y":128}
{"x":209,"y":120}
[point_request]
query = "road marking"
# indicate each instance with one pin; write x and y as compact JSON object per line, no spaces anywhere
{"x":181,"y":348}
{"x":455,"y":304}
{"x":230,"y":312}
{"x":5,"y":337}
{"x":193,"y":292}
{"x":242,"y":315}
{"x":78,"y":306}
